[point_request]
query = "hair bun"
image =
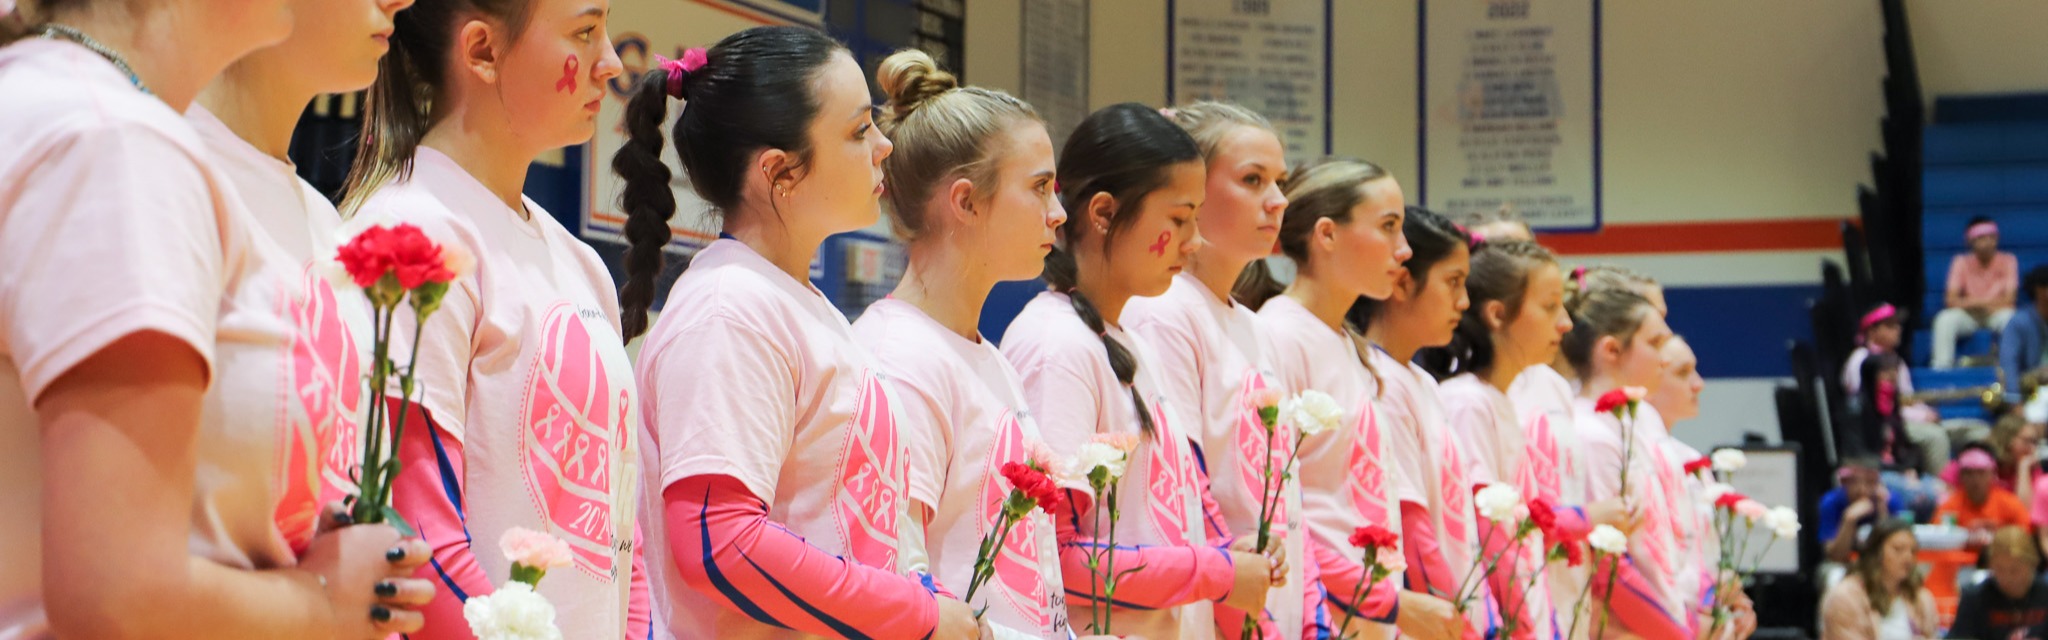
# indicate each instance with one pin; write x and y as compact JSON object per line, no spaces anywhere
{"x":910,"y":78}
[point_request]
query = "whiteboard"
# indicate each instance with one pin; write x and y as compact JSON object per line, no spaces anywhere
{"x":1772,"y":478}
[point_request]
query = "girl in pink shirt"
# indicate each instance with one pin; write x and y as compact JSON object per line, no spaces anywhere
{"x":1342,"y":229}
{"x":143,"y":324}
{"x":1211,"y":362}
{"x":527,"y":414}
{"x":1432,"y":482}
{"x":971,"y":187}
{"x":1515,"y":321}
{"x":776,"y":473}
{"x":1678,"y":399}
{"x":1131,"y":182}
{"x":1614,"y":343}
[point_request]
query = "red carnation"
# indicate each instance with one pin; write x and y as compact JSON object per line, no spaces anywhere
{"x":1728,"y":500}
{"x":1696,"y":465}
{"x":1034,"y":484}
{"x":1374,"y":537}
{"x":1574,"y":554}
{"x":402,"y":250}
{"x":1611,"y":400}
{"x":1544,"y":516}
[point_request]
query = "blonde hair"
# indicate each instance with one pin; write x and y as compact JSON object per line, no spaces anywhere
{"x":2015,"y":541}
{"x":1209,"y":122}
{"x":942,"y":130}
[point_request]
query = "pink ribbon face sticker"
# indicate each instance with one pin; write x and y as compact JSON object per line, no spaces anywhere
{"x":1158,"y":247}
{"x":568,"y":82}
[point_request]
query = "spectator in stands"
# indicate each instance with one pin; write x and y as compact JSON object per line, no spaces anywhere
{"x":2013,"y":443}
{"x":1981,"y":505}
{"x":1981,"y":287}
{"x":2013,"y":604}
{"x":2021,"y":345}
{"x":1879,"y":333}
{"x":1883,"y":598}
{"x":1861,"y":499}
{"x":1502,"y":224}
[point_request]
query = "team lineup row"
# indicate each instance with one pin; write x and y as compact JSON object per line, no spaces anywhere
{"x":188,"y":422}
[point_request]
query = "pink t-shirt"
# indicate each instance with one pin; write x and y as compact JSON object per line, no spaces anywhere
{"x":1654,"y":546}
{"x":523,"y":366}
{"x":1976,"y":280}
{"x":1693,"y":517}
{"x":1498,"y":450}
{"x":1210,"y":358}
{"x":756,"y":376}
{"x":114,"y":220}
{"x":1346,"y":475}
{"x":1074,"y":395}
{"x":332,"y":337}
{"x":1544,"y":404}
{"x":962,"y":412}
{"x":1432,"y":472}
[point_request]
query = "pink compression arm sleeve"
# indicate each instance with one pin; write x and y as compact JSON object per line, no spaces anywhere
{"x":1572,"y":523}
{"x":1632,"y":603}
{"x":1342,"y":580}
{"x":1170,"y":576}
{"x":428,"y":493}
{"x":1508,"y":576}
{"x":728,"y":551}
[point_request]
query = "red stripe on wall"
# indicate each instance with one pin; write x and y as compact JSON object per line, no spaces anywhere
{"x":1805,"y":234}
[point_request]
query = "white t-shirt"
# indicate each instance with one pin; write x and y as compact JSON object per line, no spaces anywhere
{"x":962,"y":412}
{"x":1210,"y":358}
{"x":524,"y":367}
{"x":1433,"y":472}
{"x":756,"y":376}
{"x":1075,"y":395}
{"x":115,"y":221}
{"x":333,"y":337}
{"x":1346,"y":475}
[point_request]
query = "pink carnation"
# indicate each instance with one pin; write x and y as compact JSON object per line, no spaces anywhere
{"x":1635,"y":394}
{"x":1751,"y":510}
{"x":535,"y":549}
{"x":1125,"y":442}
{"x":1267,"y":397}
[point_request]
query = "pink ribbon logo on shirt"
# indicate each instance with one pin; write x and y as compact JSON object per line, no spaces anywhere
{"x":873,"y":469}
{"x":1368,"y":478}
{"x":1540,"y":471}
{"x":317,"y":440}
{"x":1016,"y":566}
{"x":1170,"y":474}
{"x":1252,"y":448}
{"x":1457,"y":494}
{"x":577,"y":419}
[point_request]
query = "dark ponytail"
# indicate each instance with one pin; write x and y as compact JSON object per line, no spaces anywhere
{"x":1126,"y":151}
{"x":753,"y":91}
{"x":1432,"y":238}
{"x":1500,"y":272}
{"x":409,"y":80}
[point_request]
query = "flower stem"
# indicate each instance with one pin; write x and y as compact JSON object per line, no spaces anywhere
{"x":1109,"y":558}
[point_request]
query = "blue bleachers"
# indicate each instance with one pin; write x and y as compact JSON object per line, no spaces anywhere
{"x":1985,"y":155}
{"x":1926,"y":380}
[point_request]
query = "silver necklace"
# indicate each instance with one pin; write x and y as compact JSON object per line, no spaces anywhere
{"x":60,"y":32}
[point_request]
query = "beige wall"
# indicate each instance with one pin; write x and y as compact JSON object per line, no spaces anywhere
{"x":1980,"y":46}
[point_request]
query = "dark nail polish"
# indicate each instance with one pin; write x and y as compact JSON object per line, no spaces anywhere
{"x":344,"y":519}
{"x":395,"y":554}
{"x":386,"y":589}
{"x":379,"y":613}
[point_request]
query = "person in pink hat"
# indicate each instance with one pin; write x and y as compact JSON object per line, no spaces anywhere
{"x":1878,"y":332}
{"x":1981,"y":506}
{"x":1981,"y":288}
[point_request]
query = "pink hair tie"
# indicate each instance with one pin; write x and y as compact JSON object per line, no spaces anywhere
{"x":1980,"y":230}
{"x":679,"y":70}
{"x":1579,"y":274}
{"x":1169,"y":112}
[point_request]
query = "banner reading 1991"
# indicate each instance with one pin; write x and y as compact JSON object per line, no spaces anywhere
{"x":1510,"y":98}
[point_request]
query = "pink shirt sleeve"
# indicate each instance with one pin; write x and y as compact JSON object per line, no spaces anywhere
{"x":1956,"y":268}
{"x":1169,"y":576}
{"x":1063,"y":402}
{"x":1177,"y":366}
{"x":110,"y":234}
{"x":726,"y":549}
{"x":428,"y":493}
{"x":709,"y":425}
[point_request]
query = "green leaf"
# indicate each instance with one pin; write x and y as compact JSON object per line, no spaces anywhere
{"x":396,"y":521}
{"x":529,"y":575}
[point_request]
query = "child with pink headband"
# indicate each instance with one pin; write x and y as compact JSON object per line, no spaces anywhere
{"x":1982,"y":285}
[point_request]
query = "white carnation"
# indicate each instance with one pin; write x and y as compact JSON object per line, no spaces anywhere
{"x":1095,"y":454}
{"x":1729,"y":460}
{"x":1312,"y":412}
{"x":515,"y":612}
{"x":1783,"y":522}
{"x":1714,"y":490}
{"x":1497,"y":502}
{"x":1607,"y":539}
